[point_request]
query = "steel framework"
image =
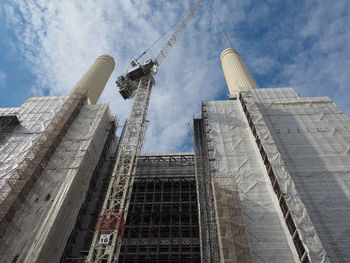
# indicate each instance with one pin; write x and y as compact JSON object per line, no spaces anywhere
{"x":207,"y":218}
{"x":162,"y":225}
{"x":110,"y":225}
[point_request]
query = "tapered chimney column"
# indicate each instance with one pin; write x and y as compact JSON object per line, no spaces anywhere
{"x":94,"y":80}
{"x":236,"y":73}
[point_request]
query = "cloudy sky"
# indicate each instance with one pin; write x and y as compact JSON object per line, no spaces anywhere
{"x":46,"y":46}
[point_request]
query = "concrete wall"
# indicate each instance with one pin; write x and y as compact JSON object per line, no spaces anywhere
{"x":40,"y":229}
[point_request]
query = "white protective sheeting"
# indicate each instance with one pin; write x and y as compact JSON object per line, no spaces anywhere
{"x":234,"y":155}
{"x":274,"y":94}
{"x":34,"y":116}
{"x":307,"y":141}
{"x":40,"y":229}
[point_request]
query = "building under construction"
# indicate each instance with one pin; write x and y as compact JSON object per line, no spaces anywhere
{"x":268,"y":181}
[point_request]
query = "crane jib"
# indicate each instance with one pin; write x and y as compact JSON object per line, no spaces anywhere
{"x":127,"y":83}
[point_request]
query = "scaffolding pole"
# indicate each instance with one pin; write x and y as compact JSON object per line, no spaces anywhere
{"x":21,"y":181}
{"x":162,"y":222}
{"x":110,"y":225}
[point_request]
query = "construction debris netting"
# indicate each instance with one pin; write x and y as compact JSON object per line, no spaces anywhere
{"x":207,"y":222}
{"x":233,"y":155}
{"x":42,"y":226}
{"x":34,"y":117}
{"x":307,"y":141}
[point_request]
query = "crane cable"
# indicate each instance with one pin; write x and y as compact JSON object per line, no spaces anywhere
{"x":180,"y":19}
{"x":157,"y":40}
{"x":164,"y":34}
{"x":222,"y":28}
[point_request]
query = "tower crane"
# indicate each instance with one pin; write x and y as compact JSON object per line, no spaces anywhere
{"x":110,"y":226}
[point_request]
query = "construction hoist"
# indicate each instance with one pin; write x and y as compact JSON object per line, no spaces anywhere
{"x":137,"y":82}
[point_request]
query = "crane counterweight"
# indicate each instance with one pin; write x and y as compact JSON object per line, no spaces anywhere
{"x":128,"y":82}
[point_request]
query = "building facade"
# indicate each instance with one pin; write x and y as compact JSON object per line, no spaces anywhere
{"x":269,"y":179}
{"x":51,"y":149}
{"x":275,"y":169}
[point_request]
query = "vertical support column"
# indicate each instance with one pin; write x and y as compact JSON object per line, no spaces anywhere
{"x":94,"y":80}
{"x":236,"y":73}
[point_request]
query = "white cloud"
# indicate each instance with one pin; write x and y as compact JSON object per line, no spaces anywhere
{"x":262,"y":65}
{"x":2,"y":77}
{"x":62,"y":38}
{"x":302,"y":44}
{"x":322,"y":68}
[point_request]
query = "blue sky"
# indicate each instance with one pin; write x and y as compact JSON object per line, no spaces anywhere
{"x":46,"y":46}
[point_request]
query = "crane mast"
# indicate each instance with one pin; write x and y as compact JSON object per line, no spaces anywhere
{"x":110,"y":226}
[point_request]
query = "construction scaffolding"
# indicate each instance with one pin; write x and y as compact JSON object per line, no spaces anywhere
{"x":78,"y":245}
{"x":304,"y":144}
{"x":277,"y":189}
{"x":249,"y":226}
{"x":49,"y":211}
{"x":7,"y":124}
{"x":26,"y":150}
{"x":208,"y":228}
{"x":162,"y":224}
